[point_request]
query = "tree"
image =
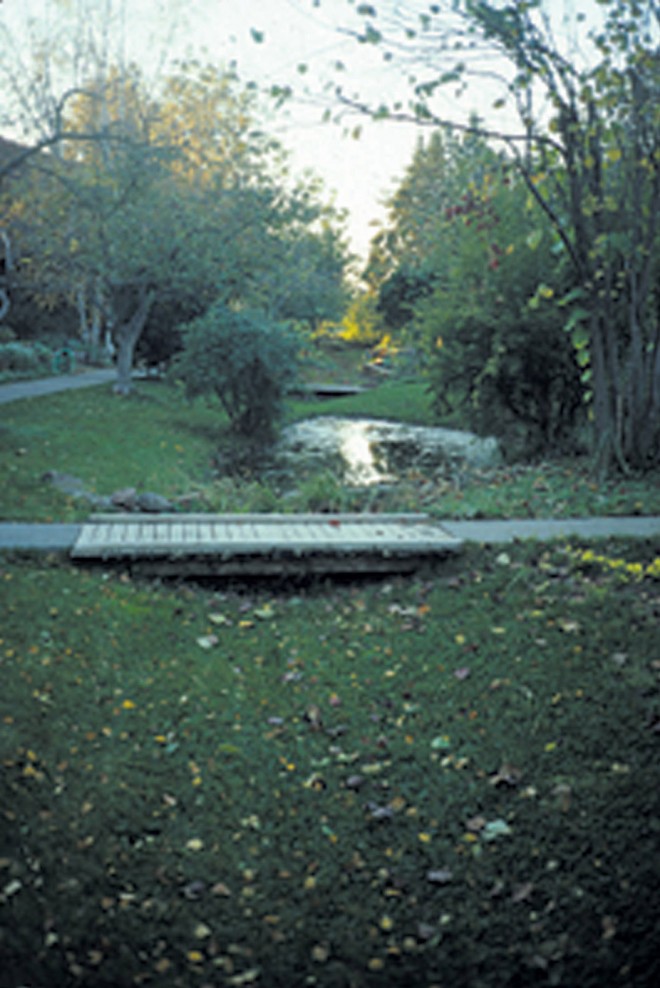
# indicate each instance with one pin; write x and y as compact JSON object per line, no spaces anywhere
{"x":481,"y":256}
{"x":588,"y":148}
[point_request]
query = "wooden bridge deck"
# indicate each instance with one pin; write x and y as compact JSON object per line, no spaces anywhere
{"x":264,"y":543}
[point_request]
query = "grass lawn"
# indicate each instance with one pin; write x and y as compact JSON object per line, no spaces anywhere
{"x":157,"y":441}
{"x":447,"y":780}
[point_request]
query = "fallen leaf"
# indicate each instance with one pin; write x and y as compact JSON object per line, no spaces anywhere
{"x":221,"y":889}
{"x":507,"y":775}
{"x":208,"y":641}
{"x":495,"y":829}
{"x":313,"y":717}
{"x":195,"y":844}
{"x":379,"y":813}
{"x":563,"y":794}
{"x":439,"y":876}
{"x":462,"y":673}
{"x":219,"y":619}
{"x":193,"y":890}
{"x":440,"y":743}
{"x":522,"y":893}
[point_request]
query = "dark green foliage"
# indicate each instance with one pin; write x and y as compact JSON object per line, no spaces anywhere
{"x":23,"y":358}
{"x":478,"y":289}
{"x":510,"y":372}
{"x":246,"y":360}
{"x":398,"y":294}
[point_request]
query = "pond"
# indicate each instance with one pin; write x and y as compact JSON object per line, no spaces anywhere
{"x":364,"y":452}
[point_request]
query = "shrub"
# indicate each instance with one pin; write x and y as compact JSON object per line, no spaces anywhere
{"x":244,"y":358}
{"x":7,"y":334}
{"x":23,"y":358}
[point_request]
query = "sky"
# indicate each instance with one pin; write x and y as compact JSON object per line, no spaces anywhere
{"x":359,"y":172}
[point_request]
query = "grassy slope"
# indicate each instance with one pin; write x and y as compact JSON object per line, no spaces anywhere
{"x":444,"y":780}
{"x":156,"y":441}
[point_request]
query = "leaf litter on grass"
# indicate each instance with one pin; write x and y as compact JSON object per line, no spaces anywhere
{"x":320,"y":784}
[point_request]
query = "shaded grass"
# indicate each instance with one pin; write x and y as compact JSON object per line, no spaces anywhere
{"x":451,"y":779}
{"x":153,"y":440}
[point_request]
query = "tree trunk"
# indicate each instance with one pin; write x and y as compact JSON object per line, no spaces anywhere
{"x":5,"y":302}
{"x":91,"y":320}
{"x":126,"y":337}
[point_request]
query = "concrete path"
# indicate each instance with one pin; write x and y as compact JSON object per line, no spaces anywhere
{"x":25,"y":536}
{"x":17,"y":390}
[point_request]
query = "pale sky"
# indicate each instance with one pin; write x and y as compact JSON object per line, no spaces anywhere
{"x":362,"y":172}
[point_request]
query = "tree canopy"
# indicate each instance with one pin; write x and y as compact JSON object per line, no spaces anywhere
{"x":172,"y":200}
{"x":584,"y":137}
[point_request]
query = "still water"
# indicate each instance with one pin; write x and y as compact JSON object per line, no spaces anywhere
{"x":370,"y":451}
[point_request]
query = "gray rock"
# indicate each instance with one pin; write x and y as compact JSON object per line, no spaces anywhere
{"x":66,"y":483}
{"x":125,"y":498}
{"x":153,"y":503}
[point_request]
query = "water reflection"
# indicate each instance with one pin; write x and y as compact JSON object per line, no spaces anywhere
{"x":365,"y":452}
{"x":362,"y":466}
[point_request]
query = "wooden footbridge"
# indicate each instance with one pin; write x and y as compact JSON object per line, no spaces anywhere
{"x":263,"y":544}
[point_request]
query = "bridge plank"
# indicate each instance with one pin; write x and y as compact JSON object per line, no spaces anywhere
{"x":332,"y":541}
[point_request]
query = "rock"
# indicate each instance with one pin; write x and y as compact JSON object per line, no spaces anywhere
{"x":153,"y":503}
{"x":125,"y":498}
{"x":100,"y":502}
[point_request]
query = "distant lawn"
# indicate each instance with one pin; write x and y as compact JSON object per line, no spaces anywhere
{"x":443,"y":780}
{"x":157,"y":441}
{"x":402,"y":401}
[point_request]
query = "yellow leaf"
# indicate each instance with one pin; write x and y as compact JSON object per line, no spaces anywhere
{"x":128,"y":705}
{"x":195,"y":956}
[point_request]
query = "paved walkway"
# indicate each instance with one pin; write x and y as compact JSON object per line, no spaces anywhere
{"x":50,"y":385}
{"x":61,"y":537}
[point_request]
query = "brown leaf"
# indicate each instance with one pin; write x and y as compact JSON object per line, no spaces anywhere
{"x":507,"y":775}
{"x":439,"y":876}
{"x":313,"y":717}
{"x":521,"y":893}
